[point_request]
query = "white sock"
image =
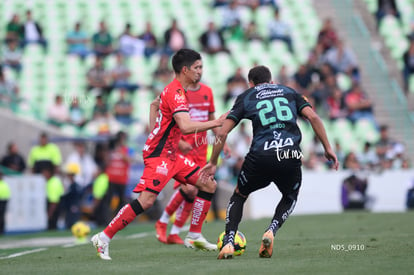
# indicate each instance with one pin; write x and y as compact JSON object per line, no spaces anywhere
{"x":104,"y":238}
{"x":193,"y":235}
{"x":175,"y":230}
{"x":165,"y":218}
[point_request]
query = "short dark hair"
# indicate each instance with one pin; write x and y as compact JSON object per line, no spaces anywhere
{"x":184,"y":58}
{"x":259,"y":74}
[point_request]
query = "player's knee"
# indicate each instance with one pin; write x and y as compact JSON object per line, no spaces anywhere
{"x":190,"y":191}
{"x":238,"y":197}
{"x":292,"y":196}
{"x":210,"y":186}
{"x":147,"y":199}
{"x":237,"y":192}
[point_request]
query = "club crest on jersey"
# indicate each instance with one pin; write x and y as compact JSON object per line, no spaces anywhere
{"x":156,"y":182}
{"x":162,"y":169}
{"x":278,"y":142}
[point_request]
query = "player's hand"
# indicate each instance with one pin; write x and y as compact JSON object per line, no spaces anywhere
{"x":226,"y":151}
{"x":184,"y":147}
{"x":331,"y":156}
{"x":207,"y":172}
{"x":222,"y":118}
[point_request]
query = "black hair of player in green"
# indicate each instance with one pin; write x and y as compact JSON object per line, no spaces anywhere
{"x":184,"y":58}
{"x":259,"y":74}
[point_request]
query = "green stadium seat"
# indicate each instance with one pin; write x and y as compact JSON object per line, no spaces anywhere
{"x":365,"y":130}
{"x":70,"y":130}
{"x":372,"y":5}
{"x":344,"y":81}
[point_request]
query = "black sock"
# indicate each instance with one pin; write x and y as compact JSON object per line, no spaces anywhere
{"x":233,"y":216}
{"x":136,"y":206}
{"x":282,"y":212}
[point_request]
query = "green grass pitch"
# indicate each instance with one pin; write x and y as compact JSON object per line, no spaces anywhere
{"x":349,"y":243}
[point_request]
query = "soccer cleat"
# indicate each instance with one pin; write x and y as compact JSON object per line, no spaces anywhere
{"x":101,"y":247}
{"x":226,"y":252}
{"x":174,"y":239}
{"x":199,"y":243}
{"x":161,"y":231}
{"x":266,"y":248}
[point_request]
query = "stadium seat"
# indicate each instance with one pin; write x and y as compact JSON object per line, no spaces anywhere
{"x":366,"y":131}
{"x":45,"y":75}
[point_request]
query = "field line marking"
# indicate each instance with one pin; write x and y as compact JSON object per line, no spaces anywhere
{"x":139,"y":235}
{"x":23,"y":253}
{"x":145,"y":234}
{"x":75,"y":244}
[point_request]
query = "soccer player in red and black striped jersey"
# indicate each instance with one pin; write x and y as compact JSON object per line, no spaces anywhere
{"x":162,"y":158}
{"x":194,"y":147}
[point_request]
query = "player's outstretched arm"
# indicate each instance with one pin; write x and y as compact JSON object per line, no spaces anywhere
{"x":320,"y":132}
{"x":188,"y":126}
{"x":226,"y":148}
{"x":221,"y":136}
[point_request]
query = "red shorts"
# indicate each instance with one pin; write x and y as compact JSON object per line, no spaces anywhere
{"x":200,"y":160}
{"x":158,"y":171}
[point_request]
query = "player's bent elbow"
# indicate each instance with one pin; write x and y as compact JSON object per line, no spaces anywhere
{"x":185,"y":130}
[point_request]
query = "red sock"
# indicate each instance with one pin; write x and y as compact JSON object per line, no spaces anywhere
{"x":182,"y":214}
{"x":200,"y":210}
{"x":125,"y":215}
{"x":175,"y":201}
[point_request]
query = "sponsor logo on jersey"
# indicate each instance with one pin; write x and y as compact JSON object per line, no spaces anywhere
{"x":146,"y":147}
{"x":180,"y":99}
{"x":198,"y":115}
{"x":162,"y":169}
{"x":262,"y":94}
{"x":278,"y":142}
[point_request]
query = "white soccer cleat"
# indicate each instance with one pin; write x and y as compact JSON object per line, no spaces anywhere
{"x":101,"y":247}
{"x":199,"y":243}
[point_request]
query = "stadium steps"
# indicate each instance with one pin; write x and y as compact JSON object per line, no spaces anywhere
{"x":378,"y":77}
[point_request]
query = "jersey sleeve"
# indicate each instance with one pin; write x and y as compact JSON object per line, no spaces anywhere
{"x":237,"y":112}
{"x":212,"y":108}
{"x":301,"y":102}
{"x":178,"y":101}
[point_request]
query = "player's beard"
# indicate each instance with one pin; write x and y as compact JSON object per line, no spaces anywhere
{"x":198,"y":78}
